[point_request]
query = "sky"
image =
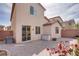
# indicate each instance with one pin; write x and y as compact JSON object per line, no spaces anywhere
{"x":66,"y":11}
{"x":5,"y":12}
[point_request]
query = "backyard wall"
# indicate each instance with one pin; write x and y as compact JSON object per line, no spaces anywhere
{"x":70,"y":33}
{"x":4,"y":34}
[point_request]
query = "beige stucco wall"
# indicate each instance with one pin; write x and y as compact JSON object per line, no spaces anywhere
{"x":53,"y":34}
{"x":47,"y":29}
{"x":50,"y":29}
{"x":23,"y":17}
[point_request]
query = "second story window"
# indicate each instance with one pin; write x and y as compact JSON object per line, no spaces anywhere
{"x":32,"y":10}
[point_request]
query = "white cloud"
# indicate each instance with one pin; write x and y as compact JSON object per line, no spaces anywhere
{"x":65,"y":10}
{"x":9,"y":6}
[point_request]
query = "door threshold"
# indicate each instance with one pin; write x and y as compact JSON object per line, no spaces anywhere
{"x":27,"y":41}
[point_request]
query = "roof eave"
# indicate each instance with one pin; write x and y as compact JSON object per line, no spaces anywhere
{"x":13,"y":7}
{"x":46,"y":18}
{"x":42,"y":6}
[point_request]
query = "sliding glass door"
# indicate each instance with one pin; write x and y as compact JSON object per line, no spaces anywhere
{"x":26,"y":33}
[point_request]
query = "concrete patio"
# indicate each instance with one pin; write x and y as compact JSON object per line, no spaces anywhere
{"x":31,"y":48}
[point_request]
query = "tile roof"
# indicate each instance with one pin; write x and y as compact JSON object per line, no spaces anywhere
{"x":51,"y":23}
{"x":54,"y":18}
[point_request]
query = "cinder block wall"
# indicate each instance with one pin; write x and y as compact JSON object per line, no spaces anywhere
{"x":4,"y":34}
{"x":70,"y":33}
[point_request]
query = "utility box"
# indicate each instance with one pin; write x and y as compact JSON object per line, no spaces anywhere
{"x":8,"y":40}
{"x":46,"y":37}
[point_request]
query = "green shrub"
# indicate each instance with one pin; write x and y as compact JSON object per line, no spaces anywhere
{"x":78,"y":40}
{"x":77,"y":52}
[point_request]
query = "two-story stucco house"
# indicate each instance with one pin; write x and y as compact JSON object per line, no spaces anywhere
{"x":27,"y":21}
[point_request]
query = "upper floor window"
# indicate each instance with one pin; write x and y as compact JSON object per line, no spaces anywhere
{"x":32,"y":10}
{"x":57,"y":30}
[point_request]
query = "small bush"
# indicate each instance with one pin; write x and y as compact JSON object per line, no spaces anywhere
{"x":77,"y":51}
{"x":78,"y":40}
{"x":77,"y":36}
